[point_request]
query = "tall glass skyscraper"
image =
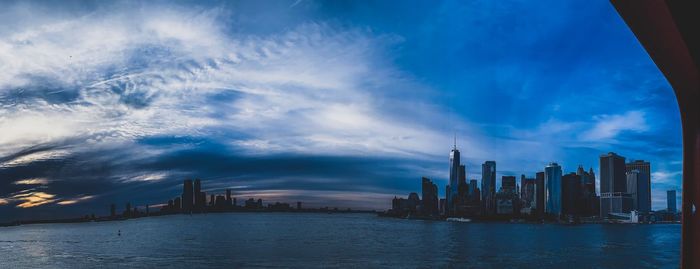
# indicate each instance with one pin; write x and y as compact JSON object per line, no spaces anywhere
{"x":454,"y":179}
{"x":642,"y":191}
{"x":488,"y":187}
{"x":552,"y":179}
{"x":638,"y":188}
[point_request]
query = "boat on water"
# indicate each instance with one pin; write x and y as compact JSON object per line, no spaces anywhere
{"x":459,"y":219}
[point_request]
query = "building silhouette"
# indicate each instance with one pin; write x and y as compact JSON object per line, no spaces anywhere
{"x":430,"y":202}
{"x":507,"y":197}
{"x":637,"y":188}
{"x":540,"y":194}
{"x":455,"y":174}
{"x":462,"y":188}
{"x":200,"y":198}
{"x":187,"y":196}
{"x":590,"y":202}
{"x":472,"y":193}
{"x":571,"y":198}
{"x":473,"y":201}
{"x":527,"y":192}
{"x":671,"y":201}
{"x":613,"y":185}
{"x":641,"y":193}
{"x":552,"y":181}
{"x":177,"y":203}
{"x":229,"y":201}
{"x":612,"y":173}
{"x":508,"y":184}
{"x":488,"y":187}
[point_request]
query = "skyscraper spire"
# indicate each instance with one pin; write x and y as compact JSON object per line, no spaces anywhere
{"x":455,"y":145}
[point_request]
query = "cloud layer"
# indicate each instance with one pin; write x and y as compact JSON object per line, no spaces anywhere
{"x":121,"y":101}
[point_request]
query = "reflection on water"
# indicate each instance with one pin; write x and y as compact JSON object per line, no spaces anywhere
{"x":336,"y":240}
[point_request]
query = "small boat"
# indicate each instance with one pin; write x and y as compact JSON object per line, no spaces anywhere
{"x":459,"y":219}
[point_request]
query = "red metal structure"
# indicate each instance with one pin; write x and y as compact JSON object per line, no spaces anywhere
{"x":670,"y":32}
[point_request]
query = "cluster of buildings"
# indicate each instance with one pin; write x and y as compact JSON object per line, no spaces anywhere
{"x":625,"y":194}
{"x":194,"y":200}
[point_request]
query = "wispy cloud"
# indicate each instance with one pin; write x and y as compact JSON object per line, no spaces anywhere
{"x":32,"y":181}
{"x":607,"y":127}
{"x":32,"y":157}
{"x":75,"y":200}
{"x":666,"y":177}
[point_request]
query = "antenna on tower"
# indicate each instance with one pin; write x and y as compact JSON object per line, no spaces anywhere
{"x":455,"y":145}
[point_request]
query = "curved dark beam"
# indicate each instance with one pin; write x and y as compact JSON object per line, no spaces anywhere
{"x":670,"y":32}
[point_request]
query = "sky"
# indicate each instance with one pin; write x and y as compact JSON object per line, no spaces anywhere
{"x":332,"y":103}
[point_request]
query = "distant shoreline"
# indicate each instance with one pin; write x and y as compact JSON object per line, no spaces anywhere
{"x":323,"y":211}
{"x":156,"y":214}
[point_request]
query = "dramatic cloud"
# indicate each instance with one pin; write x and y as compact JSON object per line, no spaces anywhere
{"x":32,"y":199}
{"x":75,"y":200}
{"x":312,"y":101}
{"x":32,"y":181}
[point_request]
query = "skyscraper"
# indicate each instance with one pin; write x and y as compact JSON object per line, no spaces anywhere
{"x":552,"y":181}
{"x":671,"y":201}
{"x":454,"y":179}
{"x":508,"y":184}
{"x":570,"y":194}
{"x":187,"y":196}
{"x":613,"y":185}
{"x":527,"y":191}
{"x":612,"y":173}
{"x":488,"y":187}
{"x":507,"y":197}
{"x":462,"y":187}
{"x":202,"y":203}
{"x":539,"y":193}
{"x":632,"y":180}
{"x":473,"y":191}
{"x":589,"y":205}
{"x":177,"y":203}
{"x":200,"y":198}
{"x":444,"y":207}
{"x":642,"y":195}
{"x":587,"y":181}
{"x":644,"y":167}
{"x":229,"y":202}
{"x":429,"y":198}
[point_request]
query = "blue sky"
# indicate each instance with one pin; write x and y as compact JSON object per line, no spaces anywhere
{"x":340,"y":103}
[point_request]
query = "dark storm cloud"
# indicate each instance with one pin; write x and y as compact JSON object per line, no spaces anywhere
{"x":117,"y":175}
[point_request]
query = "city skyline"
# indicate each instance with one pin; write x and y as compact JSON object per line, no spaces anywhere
{"x":551,"y":196}
{"x":328,"y":103}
